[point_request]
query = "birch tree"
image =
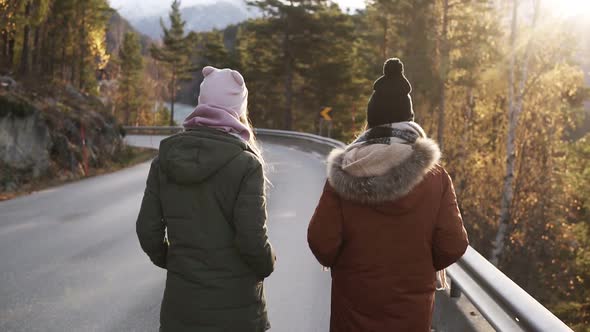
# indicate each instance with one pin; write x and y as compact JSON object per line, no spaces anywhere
{"x":443,"y":63}
{"x":516,"y":94}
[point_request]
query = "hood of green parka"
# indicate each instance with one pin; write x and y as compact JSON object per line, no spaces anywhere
{"x":195,"y":155}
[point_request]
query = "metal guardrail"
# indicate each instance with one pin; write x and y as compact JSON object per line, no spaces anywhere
{"x":297,"y":135}
{"x":505,"y":305}
{"x":155,"y":130}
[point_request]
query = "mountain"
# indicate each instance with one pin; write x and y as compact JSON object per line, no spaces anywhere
{"x":116,"y":30}
{"x":200,"y":17}
{"x":135,"y":9}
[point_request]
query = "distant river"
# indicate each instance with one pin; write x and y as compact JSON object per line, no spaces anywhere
{"x":181,"y":111}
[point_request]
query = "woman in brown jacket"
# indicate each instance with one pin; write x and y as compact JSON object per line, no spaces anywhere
{"x":387,"y":219}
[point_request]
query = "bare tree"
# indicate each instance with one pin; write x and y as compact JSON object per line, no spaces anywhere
{"x":515,"y":106}
{"x":444,"y":69}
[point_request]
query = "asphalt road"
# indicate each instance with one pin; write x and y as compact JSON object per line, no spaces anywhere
{"x":70,"y":260}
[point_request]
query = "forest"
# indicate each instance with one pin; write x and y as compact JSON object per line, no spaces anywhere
{"x":498,"y":83}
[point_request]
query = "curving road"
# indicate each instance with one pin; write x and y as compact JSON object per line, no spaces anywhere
{"x":70,"y":261}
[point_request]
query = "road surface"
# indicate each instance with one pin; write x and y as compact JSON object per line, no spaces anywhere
{"x":70,"y":260}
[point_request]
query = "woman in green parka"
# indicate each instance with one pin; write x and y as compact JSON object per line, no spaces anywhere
{"x":203,"y":216}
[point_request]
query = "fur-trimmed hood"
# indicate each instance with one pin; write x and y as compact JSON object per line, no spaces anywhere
{"x":409,"y":163}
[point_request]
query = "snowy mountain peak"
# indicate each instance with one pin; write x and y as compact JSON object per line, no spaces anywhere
{"x":200,"y":15}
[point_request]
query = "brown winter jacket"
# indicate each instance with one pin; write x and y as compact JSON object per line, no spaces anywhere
{"x":384,"y":237}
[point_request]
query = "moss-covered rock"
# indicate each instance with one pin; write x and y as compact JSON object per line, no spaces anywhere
{"x":12,"y":105}
{"x":43,"y":135}
{"x":24,"y":137}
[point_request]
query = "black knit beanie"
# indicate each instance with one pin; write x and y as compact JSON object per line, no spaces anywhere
{"x":391,"y":101}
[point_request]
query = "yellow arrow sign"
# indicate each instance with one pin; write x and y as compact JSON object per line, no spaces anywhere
{"x":325,"y":113}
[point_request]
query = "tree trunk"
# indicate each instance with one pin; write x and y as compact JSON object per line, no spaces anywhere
{"x":507,"y":192}
{"x":25,"y":55}
{"x":443,"y":63}
{"x":467,"y":134}
{"x":4,"y":57}
{"x":63,"y":53}
{"x":53,"y":50}
{"x":11,"y":44}
{"x":36,"y":66}
{"x":288,"y":121}
{"x":75,"y":65}
{"x":385,"y":45}
{"x":173,"y":98}
{"x":289,"y":95}
{"x":126,"y":108}
{"x":515,"y":105}
{"x":83,"y":49}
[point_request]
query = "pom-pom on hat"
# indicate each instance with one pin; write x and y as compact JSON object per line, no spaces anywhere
{"x":390,"y":101}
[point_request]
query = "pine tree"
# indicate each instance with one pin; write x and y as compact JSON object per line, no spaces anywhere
{"x":21,"y":19}
{"x":174,"y":53}
{"x":333,"y":75}
{"x":291,"y":24}
{"x":48,"y":38}
{"x":214,"y":52}
{"x":92,"y":16}
{"x":310,"y":65}
{"x":261,"y":64}
{"x":408,"y":29}
{"x":131,"y":94}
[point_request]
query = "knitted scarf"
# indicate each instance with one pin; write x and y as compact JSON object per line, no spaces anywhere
{"x":217,"y":117}
{"x":399,"y":132}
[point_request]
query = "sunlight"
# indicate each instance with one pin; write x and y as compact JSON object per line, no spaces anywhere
{"x":351,"y":4}
{"x":570,"y":8}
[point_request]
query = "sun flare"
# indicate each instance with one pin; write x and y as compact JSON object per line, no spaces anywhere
{"x":570,"y":8}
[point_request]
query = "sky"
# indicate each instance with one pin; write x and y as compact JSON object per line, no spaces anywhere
{"x":570,"y":8}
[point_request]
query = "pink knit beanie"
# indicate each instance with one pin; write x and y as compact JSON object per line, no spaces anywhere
{"x":224,"y":88}
{"x":222,"y":101}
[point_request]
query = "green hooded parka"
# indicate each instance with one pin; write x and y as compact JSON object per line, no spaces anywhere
{"x":203,"y":219}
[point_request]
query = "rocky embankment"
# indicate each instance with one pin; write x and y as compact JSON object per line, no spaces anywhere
{"x":42,"y":135}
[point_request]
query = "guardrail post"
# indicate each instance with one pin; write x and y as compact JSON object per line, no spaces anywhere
{"x":455,"y":290}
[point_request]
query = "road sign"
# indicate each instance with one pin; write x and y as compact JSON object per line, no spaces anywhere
{"x":325,"y":113}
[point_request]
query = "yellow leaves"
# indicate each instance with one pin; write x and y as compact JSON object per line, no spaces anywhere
{"x":571,"y":92}
{"x":98,"y":46}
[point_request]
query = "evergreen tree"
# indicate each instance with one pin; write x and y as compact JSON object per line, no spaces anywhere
{"x":333,"y":76}
{"x":174,"y":53}
{"x":261,"y":64}
{"x":56,"y":39}
{"x":213,"y":51}
{"x":408,"y":29}
{"x":92,"y":16}
{"x":131,"y":95}
{"x":291,"y":24}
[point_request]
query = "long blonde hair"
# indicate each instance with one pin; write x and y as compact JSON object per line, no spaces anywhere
{"x":253,"y":143}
